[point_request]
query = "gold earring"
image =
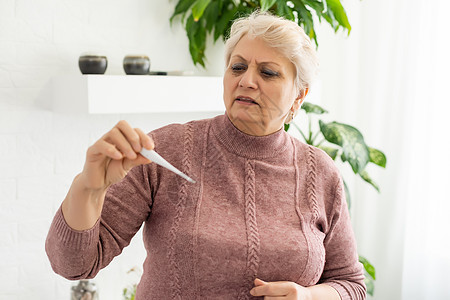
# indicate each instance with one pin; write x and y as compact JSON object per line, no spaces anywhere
{"x":290,"y":117}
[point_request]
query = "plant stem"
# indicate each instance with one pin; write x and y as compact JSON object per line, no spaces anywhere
{"x":314,"y":138}
{"x":323,"y":140}
{"x":298,"y":128}
{"x":310,"y":132}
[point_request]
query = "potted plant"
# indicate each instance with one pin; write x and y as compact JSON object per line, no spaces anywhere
{"x":214,"y":17}
{"x":347,"y":143}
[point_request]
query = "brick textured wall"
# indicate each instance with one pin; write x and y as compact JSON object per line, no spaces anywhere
{"x":41,"y":151}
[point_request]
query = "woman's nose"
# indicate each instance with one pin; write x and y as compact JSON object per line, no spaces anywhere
{"x":249,"y":80}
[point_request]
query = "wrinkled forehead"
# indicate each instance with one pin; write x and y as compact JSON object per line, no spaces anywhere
{"x":250,"y":49}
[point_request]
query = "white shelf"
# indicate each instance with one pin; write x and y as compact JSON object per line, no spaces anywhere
{"x":105,"y":94}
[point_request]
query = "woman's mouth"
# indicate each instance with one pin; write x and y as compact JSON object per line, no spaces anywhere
{"x":246,"y":100}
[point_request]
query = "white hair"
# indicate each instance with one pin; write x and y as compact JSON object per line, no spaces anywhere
{"x":284,"y":35}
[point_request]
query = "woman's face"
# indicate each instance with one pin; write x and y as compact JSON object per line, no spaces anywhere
{"x":259,"y":88}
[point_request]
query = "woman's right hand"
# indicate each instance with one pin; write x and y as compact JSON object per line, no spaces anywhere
{"x":110,"y":158}
{"x":107,"y":162}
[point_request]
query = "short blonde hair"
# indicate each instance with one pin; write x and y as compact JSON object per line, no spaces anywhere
{"x":284,"y":35}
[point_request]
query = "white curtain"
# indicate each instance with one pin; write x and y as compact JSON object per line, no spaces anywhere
{"x":390,"y":79}
{"x":427,"y":243}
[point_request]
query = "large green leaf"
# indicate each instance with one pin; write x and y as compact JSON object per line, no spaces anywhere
{"x":370,"y":275}
{"x":225,"y":18}
{"x":370,"y":285}
{"x":377,"y":157}
{"x":370,"y":269}
{"x":197,"y":40}
{"x":182,"y":7}
{"x":354,"y":148}
{"x":198,"y":8}
{"x":364,"y":175}
{"x":332,"y":152}
{"x":283,"y":10}
{"x":286,"y":127}
{"x":211,"y":15}
{"x":337,"y":14}
{"x":313,"y":108}
{"x":316,"y":5}
{"x":305,"y":18}
{"x":266,"y":4}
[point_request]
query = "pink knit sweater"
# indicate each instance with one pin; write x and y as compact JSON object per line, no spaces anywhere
{"x":269,"y":207}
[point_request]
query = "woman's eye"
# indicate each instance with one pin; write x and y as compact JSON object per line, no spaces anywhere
{"x":238,"y":67}
{"x":269,"y":73}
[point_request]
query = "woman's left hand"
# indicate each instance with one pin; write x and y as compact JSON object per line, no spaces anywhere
{"x":279,"y":290}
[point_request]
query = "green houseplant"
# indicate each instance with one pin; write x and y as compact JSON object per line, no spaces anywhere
{"x":347,"y":143}
{"x":214,"y":17}
{"x":129,"y":292}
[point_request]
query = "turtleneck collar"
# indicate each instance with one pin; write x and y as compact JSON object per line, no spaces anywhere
{"x":249,"y":146}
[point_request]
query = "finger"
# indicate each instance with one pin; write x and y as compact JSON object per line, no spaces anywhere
{"x":145,"y":140}
{"x":102,"y":147}
{"x":274,"y":289}
{"x":116,"y":137}
{"x":128,"y":164}
{"x":130,"y":135}
{"x":259,"y":282}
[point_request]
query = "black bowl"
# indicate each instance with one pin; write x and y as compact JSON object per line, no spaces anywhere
{"x":92,"y":64}
{"x":136,"y":65}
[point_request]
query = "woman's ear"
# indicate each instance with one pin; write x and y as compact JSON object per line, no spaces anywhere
{"x":301,"y":96}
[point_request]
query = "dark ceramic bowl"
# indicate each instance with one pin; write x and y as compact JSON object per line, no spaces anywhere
{"x":136,"y":65}
{"x":92,"y":64}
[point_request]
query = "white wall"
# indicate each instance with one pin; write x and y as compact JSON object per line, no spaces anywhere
{"x":41,"y":151}
{"x":389,"y":79}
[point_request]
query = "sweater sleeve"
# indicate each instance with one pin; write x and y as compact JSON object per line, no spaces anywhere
{"x":342,"y":270}
{"x":81,"y":254}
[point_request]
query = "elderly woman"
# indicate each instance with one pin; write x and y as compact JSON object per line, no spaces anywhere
{"x":267,"y":217}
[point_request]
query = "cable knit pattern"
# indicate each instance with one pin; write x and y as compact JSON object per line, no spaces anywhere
{"x":204,"y":160}
{"x":299,"y":210}
{"x":180,"y":207}
{"x":311,"y":184}
{"x":271,"y":207}
{"x":253,"y":242}
{"x":312,"y":197}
